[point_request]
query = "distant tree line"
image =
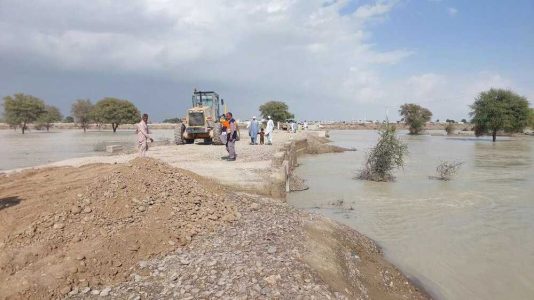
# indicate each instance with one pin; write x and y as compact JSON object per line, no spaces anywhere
{"x":493,"y":111}
{"x":21,"y":110}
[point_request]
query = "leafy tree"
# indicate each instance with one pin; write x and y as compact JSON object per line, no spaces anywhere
{"x":21,"y":109}
{"x":387,"y":155}
{"x":116,"y":112}
{"x":415,"y":116}
{"x":464,"y":121}
{"x":277,"y":110}
{"x":173,"y":120}
{"x":531,"y":118}
{"x":49,"y":116}
{"x":82,"y":112}
{"x":499,"y":109}
{"x":68,"y":119}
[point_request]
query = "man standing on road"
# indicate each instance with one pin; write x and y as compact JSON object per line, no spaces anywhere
{"x":253,"y":130}
{"x":232,"y":136}
{"x":143,"y":135}
{"x":269,"y":131}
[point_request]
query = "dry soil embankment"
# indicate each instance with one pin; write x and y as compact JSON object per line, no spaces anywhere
{"x":144,"y":230}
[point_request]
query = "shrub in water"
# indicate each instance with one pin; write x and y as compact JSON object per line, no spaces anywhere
{"x":446,"y":169}
{"x":387,"y":155}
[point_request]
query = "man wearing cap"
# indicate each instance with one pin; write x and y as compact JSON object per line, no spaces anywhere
{"x":253,"y":130}
{"x":269,"y":130}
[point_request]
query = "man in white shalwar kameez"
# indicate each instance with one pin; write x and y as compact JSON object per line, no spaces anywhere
{"x":143,"y":135}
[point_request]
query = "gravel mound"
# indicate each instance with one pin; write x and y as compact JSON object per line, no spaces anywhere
{"x":91,"y":236}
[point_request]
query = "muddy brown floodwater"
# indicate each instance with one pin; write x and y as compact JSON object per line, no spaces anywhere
{"x":468,"y":238}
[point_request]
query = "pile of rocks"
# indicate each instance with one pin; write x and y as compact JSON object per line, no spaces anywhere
{"x":136,"y":211}
{"x":258,"y":257}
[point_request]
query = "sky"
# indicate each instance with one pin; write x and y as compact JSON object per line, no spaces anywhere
{"x":328,"y":59}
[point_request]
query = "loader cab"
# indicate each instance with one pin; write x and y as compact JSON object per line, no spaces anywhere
{"x":208,"y":99}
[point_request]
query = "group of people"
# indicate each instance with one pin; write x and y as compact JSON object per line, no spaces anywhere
{"x":229,"y":134}
{"x":255,"y":129}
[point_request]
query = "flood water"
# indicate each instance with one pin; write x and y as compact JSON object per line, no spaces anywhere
{"x":40,"y":147}
{"x":468,"y":238}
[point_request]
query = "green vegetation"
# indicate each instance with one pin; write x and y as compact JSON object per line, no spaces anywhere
{"x":277,"y":110}
{"x":68,"y":119}
{"x":446,"y":169}
{"x":173,"y":120}
{"x":531,"y":119}
{"x":82,"y":111}
{"x":499,"y":109}
{"x":415,"y":116}
{"x":387,"y":155}
{"x":50,"y":115}
{"x":116,"y":112}
{"x":21,"y":109}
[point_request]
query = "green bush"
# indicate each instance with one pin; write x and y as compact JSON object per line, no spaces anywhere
{"x":387,"y":155}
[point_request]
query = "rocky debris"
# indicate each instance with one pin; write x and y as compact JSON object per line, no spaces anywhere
{"x":146,"y":208}
{"x":257,"y":257}
{"x":263,"y":255}
{"x":297,"y":184}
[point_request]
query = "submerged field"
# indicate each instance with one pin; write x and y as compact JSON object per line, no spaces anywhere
{"x":468,"y":238}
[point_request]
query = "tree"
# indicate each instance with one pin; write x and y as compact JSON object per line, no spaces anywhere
{"x":464,"y":121}
{"x":499,"y":109}
{"x":415,"y":116}
{"x":531,"y":118}
{"x":68,"y":119}
{"x":116,"y":112}
{"x":82,"y":112}
{"x":50,"y":115}
{"x":387,"y":155}
{"x":21,"y":109}
{"x":173,"y":120}
{"x":277,"y":110}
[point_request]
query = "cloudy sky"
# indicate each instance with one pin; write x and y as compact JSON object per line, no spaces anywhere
{"x":327,"y":59}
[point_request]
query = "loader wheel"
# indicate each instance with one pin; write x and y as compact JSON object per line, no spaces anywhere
{"x":217,"y":134}
{"x":179,"y":134}
{"x":190,"y":141}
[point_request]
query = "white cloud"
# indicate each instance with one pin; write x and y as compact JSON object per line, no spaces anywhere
{"x":373,"y":10}
{"x":290,"y":46}
{"x":452,"y":11}
{"x":299,"y":51}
